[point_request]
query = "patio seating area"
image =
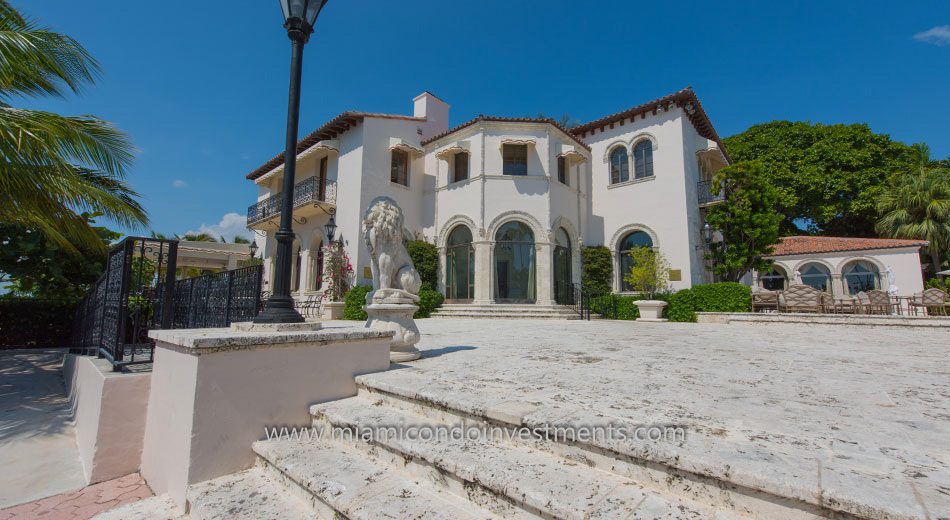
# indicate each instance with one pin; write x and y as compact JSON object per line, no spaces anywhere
{"x":802,"y":298}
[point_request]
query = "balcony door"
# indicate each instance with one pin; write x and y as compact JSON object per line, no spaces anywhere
{"x":515,"y":264}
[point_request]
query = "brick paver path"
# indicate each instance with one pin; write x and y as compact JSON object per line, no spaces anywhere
{"x":84,"y":503}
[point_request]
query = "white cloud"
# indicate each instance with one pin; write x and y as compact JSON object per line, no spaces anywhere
{"x":939,"y":35}
{"x":231,"y":225}
{"x":178,"y":183}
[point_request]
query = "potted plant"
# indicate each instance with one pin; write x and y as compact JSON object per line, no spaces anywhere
{"x":337,"y":272}
{"x":649,"y":275}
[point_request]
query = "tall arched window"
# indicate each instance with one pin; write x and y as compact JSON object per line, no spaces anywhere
{"x":817,"y":276}
{"x":619,"y":165}
{"x":316,"y":274}
{"x":459,"y":265}
{"x":563,"y":279}
{"x":514,"y":264}
{"x":774,"y":280}
{"x":861,"y":276}
{"x":643,"y":159}
{"x":627,"y":244}
{"x":295,"y":278}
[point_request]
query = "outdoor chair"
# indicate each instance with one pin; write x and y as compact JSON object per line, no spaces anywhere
{"x":876,"y":302}
{"x":933,"y":301}
{"x":764,"y":300}
{"x":803,"y":298}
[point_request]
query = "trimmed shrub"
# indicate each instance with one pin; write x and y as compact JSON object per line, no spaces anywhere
{"x":682,"y":306}
{"x":598,"y":268}
{"x":722,"y":297}
{"x":354,"y":300}
{"x":425,"y":258}
{"x":429,"y":300}
{"x":36,"y":323}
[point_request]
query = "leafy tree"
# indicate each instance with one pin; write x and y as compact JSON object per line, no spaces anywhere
{"x":598,"y":269}
{"x":197,"y":237}
{"x":747,"y":220}
{"x":238,"y":240}
{"x":917,"y":206}
{"x":650,"y":273}
{"x":425,"y":258}
{"x":565,"y":120}
{"x":40,"y":267}
{"x":53,"y":167}
{"x":830,"y":176}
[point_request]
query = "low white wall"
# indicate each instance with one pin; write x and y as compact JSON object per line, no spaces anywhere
{"x":214,"y":391}
{"x":109,"y":410}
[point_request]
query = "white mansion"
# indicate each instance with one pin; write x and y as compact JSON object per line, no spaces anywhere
{"x":508,"y":201}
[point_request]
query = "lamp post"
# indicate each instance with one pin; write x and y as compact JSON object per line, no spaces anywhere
{"x":299,"y":17}
{"x":330,"y":228}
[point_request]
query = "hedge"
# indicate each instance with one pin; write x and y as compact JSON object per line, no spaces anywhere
{"x":35,"y":323}
{"x":682,"y":305}
{"x":597,"y":269}
{"x":355,"y":299}
{"x":425,"y":258}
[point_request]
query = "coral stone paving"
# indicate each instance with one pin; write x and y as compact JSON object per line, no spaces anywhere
{"x":855,"y":419}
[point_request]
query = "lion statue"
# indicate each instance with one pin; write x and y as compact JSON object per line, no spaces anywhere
{"x":395,"y":279}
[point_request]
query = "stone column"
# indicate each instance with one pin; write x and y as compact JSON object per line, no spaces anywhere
{"x":544,"y":274}
{"x":232,"y":262}
{"x":484,"y":272}
{"x":306,"y":268}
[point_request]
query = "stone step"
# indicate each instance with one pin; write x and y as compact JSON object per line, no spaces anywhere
{"x":342,"y":483}
{"x":711,"y":475}
{"x":498,"y":474}
{"x":253,"y":494}
{"x":505,"y":311}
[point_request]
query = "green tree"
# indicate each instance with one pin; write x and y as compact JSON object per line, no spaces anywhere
{"x":830,"y":176}
{"x":746,"y":220}
{"x":52,"y":167}
{"x":917,"y":206}
{"x":425,"y":258}
{"x":37,"y":266}
{"x":650,"y":273}
{"x":197,"y":237}
{"x":598,"y":269}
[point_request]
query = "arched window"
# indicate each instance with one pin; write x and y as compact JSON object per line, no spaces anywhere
{"x":817,"y":276}
{"x":514,"y":264}
{"x":295,"y":278}
{"x":774,"y":280}
{"x":861,"y":276}
{"x":563,"y":279}
{"x":316,"y":274}
{"x":619,"y":165}
{"x":643,"y":159}
{"x":628,"y":243}
{"x":459,"y":265}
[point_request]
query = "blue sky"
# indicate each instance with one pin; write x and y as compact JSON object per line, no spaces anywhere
{"x":202,"y":86}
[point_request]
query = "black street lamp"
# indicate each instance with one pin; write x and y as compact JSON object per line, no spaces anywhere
{"x":299,"y":17}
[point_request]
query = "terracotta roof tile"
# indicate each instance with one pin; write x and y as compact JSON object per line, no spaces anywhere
{"x":804,"y":245}
{"x":498,"y":119}
{"x":329,"y":130}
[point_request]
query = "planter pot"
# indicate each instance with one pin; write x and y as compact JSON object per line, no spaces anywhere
{"x":650,"y":310}
{"x":331,"y":310}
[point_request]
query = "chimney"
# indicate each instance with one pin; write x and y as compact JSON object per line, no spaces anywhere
{"x":434,"y":110}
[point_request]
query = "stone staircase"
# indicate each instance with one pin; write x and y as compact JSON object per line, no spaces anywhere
{"x":505,"y":311}
{"x":355,"y":475}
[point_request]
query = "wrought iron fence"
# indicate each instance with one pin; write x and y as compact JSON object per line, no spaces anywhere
{"x":128,"y":300}
{"x":218,"y":299}
{"x":705,"y":192}
{"x":574,"y":295}
{"x":307,"y":191}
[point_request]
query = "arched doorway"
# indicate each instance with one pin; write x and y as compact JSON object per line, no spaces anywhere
{"x":817,"y":276}
{"x":628,"y":243}
{"x":774,"y":279}
{"x":515,"y":264}
{"x":459,"y":266}
{"x":563,"y":280}
{"x":861,"y":276}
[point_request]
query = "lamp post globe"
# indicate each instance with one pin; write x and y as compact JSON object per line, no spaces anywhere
{"x":299,"y":19}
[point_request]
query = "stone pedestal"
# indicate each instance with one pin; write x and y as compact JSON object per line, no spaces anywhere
{"x":650,"y":310}
{"x":332,"y":310}
{"x":396,"y":317}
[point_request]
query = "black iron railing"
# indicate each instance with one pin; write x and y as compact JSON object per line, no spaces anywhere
{"x":307,"y":191}
{"x":706,"y":193}
{"x":574,"y":295}
{"x":128,"y":300}
{"x":218,"y":299}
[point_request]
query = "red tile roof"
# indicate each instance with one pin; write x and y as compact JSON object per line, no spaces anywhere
{"x":804,"y":245}
{"x":495,"y":119}
{"x":680,"y":98}
{"x":329,"y":130}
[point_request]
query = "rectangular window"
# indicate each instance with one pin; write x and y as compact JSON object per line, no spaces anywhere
{"x":323,"y":178}
{"x":515,"y":158}
{"x":399,"y":172}
{"x":460,"y":166}
{"x":562,"y":170}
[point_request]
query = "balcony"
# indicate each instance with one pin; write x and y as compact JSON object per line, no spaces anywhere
{"x":706,"y":195}
{"x":308,"y":193}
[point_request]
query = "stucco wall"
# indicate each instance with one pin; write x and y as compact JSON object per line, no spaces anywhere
{"x":905,"y":263}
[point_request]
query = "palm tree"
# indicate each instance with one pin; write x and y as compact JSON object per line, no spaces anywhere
{"x":53,"y":167}
{"x":197,"y":237}
{"x":917,"y":206}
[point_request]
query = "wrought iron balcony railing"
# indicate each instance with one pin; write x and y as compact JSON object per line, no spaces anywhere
{"x":706,"y":193}
{"x":307,"y":191}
